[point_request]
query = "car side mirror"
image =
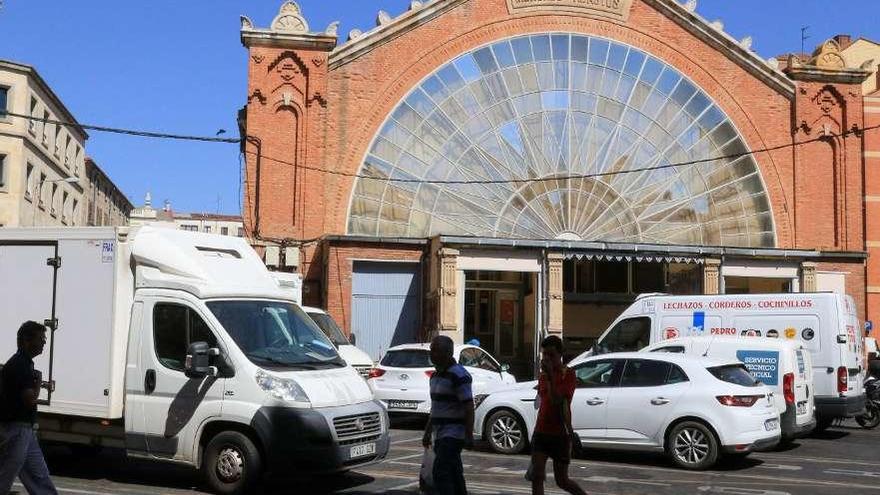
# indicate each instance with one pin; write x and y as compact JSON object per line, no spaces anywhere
{"x":505,"y":368}
{"x":352,"y":339}
{"x":198,"y":360}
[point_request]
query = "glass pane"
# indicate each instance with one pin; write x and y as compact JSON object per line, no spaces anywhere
{"x":644,"y":373}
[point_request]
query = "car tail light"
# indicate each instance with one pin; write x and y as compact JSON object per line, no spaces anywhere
{"x":375,"y":373}
{"x":738,"y":400}
{"x":429,"y":373}
{"x":842,"y":377}
{"x":788,"y":387}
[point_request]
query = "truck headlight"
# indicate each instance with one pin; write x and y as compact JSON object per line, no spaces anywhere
{"x":281,"y":388}
{"x":478,"y":399}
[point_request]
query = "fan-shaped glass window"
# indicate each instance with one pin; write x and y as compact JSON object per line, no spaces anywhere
{"x":559,"y":136}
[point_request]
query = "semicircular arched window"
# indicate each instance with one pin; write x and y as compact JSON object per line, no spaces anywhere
{"x":535,"y":111}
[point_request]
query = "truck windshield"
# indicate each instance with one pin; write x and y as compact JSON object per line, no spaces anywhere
{"x":274,"y":334}
{"x":330,"y":328}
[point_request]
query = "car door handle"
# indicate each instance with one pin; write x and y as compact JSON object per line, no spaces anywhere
{"x":660,"y":401}
{"x":595,"y":401}
{"x":150,"y":382}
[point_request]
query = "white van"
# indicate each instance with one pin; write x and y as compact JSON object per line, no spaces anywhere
{"x":180,"y":347}
{"x":827,"y":324}
{"x":346,"y":347}
{"x":783,"y":365}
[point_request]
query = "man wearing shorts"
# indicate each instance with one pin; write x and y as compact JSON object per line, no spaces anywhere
{"x":553,"y":432}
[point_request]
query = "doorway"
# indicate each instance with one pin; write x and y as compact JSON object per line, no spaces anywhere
{"x":494,"y":314}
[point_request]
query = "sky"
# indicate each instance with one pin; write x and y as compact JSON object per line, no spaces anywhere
{"x":178,"y":66}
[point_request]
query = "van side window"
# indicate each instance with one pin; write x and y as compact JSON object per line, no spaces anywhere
{"x":175,"y":327}
{"x":631,"y":334}
{"x":675,"y":349}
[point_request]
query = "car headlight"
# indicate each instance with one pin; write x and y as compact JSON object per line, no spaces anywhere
{"x":479,"y":399}
{"x":281,"y":388}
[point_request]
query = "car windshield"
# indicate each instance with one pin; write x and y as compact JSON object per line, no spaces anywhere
{"x":330,"y":328}
{"x":410,"y":358}
{"x":275,"y":334}
{"x":734,"y":373}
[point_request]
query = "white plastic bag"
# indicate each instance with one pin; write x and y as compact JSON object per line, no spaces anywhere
{"x":426,"y":475}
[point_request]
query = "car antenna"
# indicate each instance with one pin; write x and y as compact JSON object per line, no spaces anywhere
{"x":708,"y":347}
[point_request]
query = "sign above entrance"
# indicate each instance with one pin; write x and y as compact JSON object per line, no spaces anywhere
{"x":615,"y":9}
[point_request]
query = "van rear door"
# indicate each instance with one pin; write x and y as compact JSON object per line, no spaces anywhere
{"x":850,"y":330}
{"x":28,"y":270}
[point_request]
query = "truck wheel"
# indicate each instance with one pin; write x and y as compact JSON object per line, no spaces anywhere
{"x":692,"y":445}
{"x":232,"y":463}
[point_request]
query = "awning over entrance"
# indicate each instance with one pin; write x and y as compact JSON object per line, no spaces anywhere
{"x":593,"y":256}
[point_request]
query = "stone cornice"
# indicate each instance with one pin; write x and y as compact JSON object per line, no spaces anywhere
{"x":267,"y":37}
{"x":810,"y":73}
{"x":749,"y":60}
{"x":386,"y":32}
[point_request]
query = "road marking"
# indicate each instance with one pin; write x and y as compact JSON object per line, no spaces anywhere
{"x":738,"y":491}
{"x":61,"y":489}
{"x":412,"y":456}
{"x":827,"y":460}
{"x":780,"y":467}
{"x":398,"y":487}
{"x":611,"y":479}
{"x":853,"y":472}
{"x":406,"y":440}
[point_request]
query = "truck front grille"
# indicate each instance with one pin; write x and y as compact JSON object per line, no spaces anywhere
{"x":357,"y":426}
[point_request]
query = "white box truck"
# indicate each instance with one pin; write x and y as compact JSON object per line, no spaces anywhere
{"x":181,"y":347}
{"x":826,"y":323}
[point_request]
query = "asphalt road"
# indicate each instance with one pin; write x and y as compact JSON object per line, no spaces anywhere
{"x":844,"y":459}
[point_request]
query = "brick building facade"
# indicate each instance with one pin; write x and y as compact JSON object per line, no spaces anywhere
{"x":506,"y":168}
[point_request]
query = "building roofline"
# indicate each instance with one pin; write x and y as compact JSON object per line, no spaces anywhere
{"x":90,"y":161}
{"x":32,"y":72}
{"x":713,"y":34}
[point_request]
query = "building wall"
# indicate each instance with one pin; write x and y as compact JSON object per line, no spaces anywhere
{"x":51,"y":152}
{"x":105,"y":204}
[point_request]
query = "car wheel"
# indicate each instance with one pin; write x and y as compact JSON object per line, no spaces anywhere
{"x":506,"y":433}
{"x":232,"y":463}
{"x":692,"y":445}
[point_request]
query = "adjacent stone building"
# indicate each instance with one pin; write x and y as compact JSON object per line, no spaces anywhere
{"x":42,"y":166}
{"x":105,"y":203}
{"x":504,"y":169}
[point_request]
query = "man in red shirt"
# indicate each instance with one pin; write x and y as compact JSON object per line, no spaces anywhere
{"x":553,"y":432}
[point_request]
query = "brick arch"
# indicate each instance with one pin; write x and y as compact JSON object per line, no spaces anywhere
{"x":411,"y":69}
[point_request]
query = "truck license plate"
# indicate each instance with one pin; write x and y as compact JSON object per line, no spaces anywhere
{"x":802,"y":408}
{"x":771,"y":424}
{"x":362,"y":450}
{"x":403,"y":404}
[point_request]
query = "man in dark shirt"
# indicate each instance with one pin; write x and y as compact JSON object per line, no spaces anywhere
{"x":20,"y":453}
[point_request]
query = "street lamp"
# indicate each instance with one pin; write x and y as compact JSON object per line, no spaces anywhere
{"x":39,"y":195}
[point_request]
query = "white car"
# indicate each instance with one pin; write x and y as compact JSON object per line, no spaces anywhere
{"x":352,"y":355}
{"x":401,"y":380}
{"x":692,"y":408}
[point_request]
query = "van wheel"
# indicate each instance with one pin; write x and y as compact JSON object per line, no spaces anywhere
{"x":506,"y":433}
{"x":232,"y":463}
{"x":692,"y":445}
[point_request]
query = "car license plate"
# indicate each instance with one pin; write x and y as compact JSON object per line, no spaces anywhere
{"x":403,"y":404}
{"x":802,"y":408}
{"x":362,"y":450}
{"x":771,"y":424}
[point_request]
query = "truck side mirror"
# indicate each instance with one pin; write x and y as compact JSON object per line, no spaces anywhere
{"x":198,"y":360}
{"x":352,"y":339}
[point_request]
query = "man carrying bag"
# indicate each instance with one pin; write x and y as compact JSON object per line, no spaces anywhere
{"x":553,"y":430}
